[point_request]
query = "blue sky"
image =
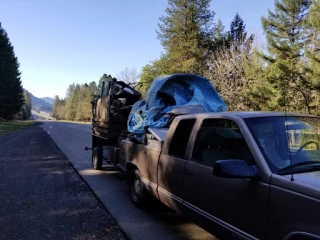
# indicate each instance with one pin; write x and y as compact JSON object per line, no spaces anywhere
{"x":61,"y":42}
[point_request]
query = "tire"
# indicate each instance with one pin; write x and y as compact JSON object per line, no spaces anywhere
{"x":97,"y":158}
{"x":136,"y":188}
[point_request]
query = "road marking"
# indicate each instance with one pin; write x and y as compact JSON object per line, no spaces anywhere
{"x":49,"y":130}
{"x":76,"y":128}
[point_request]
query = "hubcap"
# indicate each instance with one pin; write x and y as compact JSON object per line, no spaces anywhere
{"x":94,"y":160}
{"x":135,"y":189}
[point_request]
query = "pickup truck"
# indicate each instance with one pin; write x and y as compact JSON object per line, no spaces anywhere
{"x":241,"y":175}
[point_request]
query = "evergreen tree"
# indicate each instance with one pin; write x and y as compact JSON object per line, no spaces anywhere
{"x":186,"y":33}
{"x":238,"y":34}
{"x":90,"y":91}
{"x":72,"y":99}
{"x":55,"y":106}
{"x":153,"y":70}
{"x":26,"y":108}
{"x":313,"y":50}
{"x":220,"y":39}
{"x":58,"y":108}
{"x":237,"y":29}
{"x":285,"y":32}
{"x":70,"y":91}
{"x":219,"y":32}
{"x":99,"y":86}
{"x":72,"y":104}
{"x":11,"y":91}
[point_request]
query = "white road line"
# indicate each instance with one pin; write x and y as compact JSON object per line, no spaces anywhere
{"x":76,"y":128}
{"x":49,"y":130}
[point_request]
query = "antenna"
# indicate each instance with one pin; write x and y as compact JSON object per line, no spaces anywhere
{"x":286,"y":123}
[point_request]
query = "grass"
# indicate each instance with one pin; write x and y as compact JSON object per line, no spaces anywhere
{"x":10,"y":126}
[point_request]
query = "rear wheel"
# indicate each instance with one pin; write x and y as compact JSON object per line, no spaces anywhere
{"x":97,"y":158}
{"x":136,"y":188}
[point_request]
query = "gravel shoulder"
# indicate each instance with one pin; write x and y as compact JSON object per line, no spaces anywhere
{"x":42,"y":196}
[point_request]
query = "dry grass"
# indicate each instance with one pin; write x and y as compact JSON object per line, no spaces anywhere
{"x":10,"y":126}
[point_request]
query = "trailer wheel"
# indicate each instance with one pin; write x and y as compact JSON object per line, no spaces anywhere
{"x":97,"y":158}
{"x":136,"y":188}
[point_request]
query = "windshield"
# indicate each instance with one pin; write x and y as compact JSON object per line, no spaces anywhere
{"x":288,"y":143}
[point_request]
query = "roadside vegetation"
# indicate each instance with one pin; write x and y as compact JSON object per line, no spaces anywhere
{"x":10,"y":126}
{"x":281,"y":73}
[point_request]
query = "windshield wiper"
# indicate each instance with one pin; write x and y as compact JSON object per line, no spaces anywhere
{"x":297,"y":165}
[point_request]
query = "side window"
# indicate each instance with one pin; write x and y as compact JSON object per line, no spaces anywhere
{"x":180,"y":138}
{"x":220,"y":139}
{"x":105,"y":89}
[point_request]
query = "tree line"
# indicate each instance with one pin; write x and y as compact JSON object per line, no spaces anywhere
{"x":76,"y":106}
{"x":282,"y":74}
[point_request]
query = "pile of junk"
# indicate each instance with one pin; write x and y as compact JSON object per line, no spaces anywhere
{"x":120,"y":112}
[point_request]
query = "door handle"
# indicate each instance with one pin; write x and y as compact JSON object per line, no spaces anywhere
{"x":188,"y":172}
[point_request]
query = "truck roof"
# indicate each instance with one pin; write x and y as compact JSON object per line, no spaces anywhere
{"x":253,"y":114}
{"x":161,"y":133}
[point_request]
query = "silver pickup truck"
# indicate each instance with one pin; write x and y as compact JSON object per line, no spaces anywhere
{"x":242,"y":175}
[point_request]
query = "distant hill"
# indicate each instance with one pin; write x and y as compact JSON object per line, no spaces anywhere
{"x":48,"y":100}
{"x":39,"y":104}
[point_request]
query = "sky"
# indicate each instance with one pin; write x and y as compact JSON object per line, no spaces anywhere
{"x":62,"y":42}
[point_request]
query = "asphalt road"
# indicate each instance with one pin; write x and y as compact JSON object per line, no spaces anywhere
{"x":42,"y":196}
{"x":111,"y":188}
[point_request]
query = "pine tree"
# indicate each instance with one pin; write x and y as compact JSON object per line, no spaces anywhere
{"x":237,"y":29}
{"x":90,"y":91}
{"x":72,"y":101}
{"x":99,"y":86}
{"x":11,"y":91}
{"x":154,"y":69}
{"x":186,"y":33}
{"x":26,"y":108}
{"x":313,"y":49}
{"x":58,"y":108}
{"x":285,"y":32}
{"x":220,"y":36}
{"x":55,"y":106}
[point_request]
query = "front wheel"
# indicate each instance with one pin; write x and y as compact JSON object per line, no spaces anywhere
{"x":97,"y":158}
{"x":136,"y":188}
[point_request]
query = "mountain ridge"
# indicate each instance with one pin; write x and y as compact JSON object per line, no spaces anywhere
{"x":39,"y":104}
{"x":48,"y":100}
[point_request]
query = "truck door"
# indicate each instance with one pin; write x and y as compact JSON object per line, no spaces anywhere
{"x":172,"y":162}
{"x":239,"y":205}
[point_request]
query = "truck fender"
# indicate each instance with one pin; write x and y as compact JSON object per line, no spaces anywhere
{"x":130,"y":167}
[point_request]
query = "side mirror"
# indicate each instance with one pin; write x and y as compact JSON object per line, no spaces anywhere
{"x":235,"y":169}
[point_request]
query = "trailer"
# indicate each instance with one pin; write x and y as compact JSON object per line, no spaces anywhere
{"x":110,"y":112}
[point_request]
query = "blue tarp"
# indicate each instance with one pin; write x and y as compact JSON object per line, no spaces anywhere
{"x":168,"y":91}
